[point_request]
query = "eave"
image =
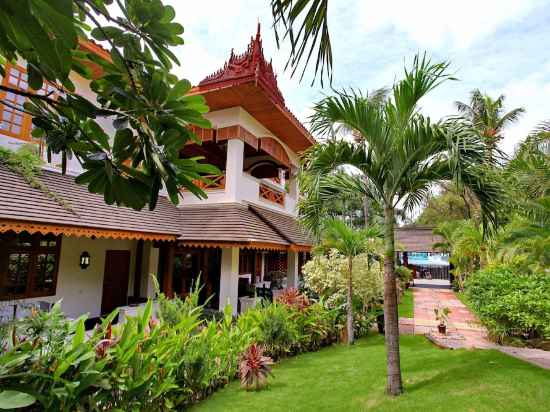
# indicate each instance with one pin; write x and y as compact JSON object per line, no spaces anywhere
{"x":252,"y":97}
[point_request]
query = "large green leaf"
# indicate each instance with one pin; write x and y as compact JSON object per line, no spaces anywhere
{"x":14,"y":399}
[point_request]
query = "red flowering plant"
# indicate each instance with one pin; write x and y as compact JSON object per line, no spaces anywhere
{"x":254,"y":368}
{"x":293,"y":298}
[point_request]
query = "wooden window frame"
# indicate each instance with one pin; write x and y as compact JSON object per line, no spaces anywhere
{"x":26,"y":125}
{"x":34,"y":250}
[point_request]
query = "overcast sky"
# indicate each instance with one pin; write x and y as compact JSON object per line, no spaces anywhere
{"x":498,"y":46}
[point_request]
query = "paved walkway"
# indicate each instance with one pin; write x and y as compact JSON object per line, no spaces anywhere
{"x":464,"y":329}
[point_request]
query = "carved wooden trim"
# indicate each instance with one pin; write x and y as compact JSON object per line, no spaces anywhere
{"x":275,"y":149}
{"x":272,"y":195}
{"x":205,"y":135}
{"x":67,"y":230}
{"x":237,"y":132}
{"x":299,"y":248}
{"x":249,"y":65}
{"x":223,"y":244}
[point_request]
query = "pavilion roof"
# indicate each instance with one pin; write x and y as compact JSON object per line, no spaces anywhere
{"x":248,"y":80}
{"x":416,"y":239}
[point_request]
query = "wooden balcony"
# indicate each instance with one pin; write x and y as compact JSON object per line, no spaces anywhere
{"x":215,"y":182}
{"x":271,"y":194}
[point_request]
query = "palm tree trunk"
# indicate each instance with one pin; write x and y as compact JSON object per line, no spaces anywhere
{"x":366,"y":211}
{"x":391,"y":320}
{"x":349,"y":308}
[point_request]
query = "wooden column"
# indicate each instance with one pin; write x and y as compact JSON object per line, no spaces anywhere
{"x":205,"y":280}
{"x":138,"y":269}
{"x":168,"y":270}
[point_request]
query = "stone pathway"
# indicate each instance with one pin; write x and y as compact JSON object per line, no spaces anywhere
{"x":464,"y":329}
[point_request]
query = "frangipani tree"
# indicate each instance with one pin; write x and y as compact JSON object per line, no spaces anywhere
{"x":397,"y":155}
{"x":136,"y":95}
{"x":350,"y":243}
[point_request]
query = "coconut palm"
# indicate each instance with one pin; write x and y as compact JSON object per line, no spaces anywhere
{"x":398,"y":156}
{"x":488,"y":117}
{"x":349,"y":242}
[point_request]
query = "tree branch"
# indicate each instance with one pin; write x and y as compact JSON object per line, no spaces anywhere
{"x":30,"y":95}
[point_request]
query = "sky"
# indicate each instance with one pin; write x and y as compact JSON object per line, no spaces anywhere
{"x":498,"y":46}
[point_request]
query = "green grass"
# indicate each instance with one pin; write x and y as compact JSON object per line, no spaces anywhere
{"x":406,"y":307}
{"x":353,"y":379}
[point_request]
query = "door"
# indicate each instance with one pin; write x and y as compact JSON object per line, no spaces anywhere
{"x":115,"y":280}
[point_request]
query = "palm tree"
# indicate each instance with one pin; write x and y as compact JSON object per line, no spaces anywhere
{"x":487,"y":116}
{"x":349,"y":242}
{"x":400,"y":154}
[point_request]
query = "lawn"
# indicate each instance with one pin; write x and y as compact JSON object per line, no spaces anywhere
{"x":406,"y":307}
{"x":352,"y":379}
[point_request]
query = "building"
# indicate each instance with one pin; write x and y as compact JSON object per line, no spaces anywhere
{"x":417,"y":249}
{"x":58,"y":241}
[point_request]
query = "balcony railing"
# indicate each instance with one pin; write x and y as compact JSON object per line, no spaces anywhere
{"x":271,"y":194}
{"x":215,"y":182}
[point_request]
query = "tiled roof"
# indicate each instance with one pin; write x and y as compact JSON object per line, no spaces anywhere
{"x":75,"y":206}
{"x":239,"y":223}
{"x":285,"y":225}
{"x":20,"y":201}
{"x":416,"y":239}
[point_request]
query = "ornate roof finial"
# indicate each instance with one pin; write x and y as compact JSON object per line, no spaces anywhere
{"x":251,"y":63}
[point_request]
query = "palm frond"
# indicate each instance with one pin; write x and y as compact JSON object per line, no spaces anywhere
{"x":511,"y":117}
{"x":305,"y":24}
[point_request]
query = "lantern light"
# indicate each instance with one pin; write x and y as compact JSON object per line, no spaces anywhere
{"x":84,"y":260}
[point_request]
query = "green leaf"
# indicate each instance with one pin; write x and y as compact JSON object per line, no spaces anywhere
{"x":60,"y":24}
{"x":35,"y":77}
{"x":15,"y":399}
{"x":179,"y":90}
{"x":80,"y":333}
{"x":106,"y":32}
{"x":38,"y":132}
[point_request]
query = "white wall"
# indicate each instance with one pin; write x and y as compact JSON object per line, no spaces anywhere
{"x":81,"y":289}
{"x":241,"y":186}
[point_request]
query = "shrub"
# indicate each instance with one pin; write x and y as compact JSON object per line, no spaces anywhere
{"x":325,"y":277}
{"x":509,"y":303}
{"x":293,"y":298}
{"x":254,"y":368}
{"x":273,"y":327}
{"x":403,"y":274}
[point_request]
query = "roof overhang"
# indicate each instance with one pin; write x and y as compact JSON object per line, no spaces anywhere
{"x":228,"y":244}
{"x":253,"y":98}
{"x":416,"y":239}
{"x":79,"y":231}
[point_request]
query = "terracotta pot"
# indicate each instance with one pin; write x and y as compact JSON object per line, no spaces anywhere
{"x":442,"y":328}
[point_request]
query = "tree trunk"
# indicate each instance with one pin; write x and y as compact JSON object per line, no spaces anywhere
{"x":391,"y":319}
{"x":366,"y":211}
{"x":349,"y":308}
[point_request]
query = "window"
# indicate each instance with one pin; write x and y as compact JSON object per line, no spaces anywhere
{"x":28,"y":265}
{"x":14,"y":122}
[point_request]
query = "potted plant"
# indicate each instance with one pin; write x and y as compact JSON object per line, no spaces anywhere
{"x":442,"y":315}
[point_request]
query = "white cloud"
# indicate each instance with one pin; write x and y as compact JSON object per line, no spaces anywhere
{"x":438,"y":24}
{"x":532,"y":93}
